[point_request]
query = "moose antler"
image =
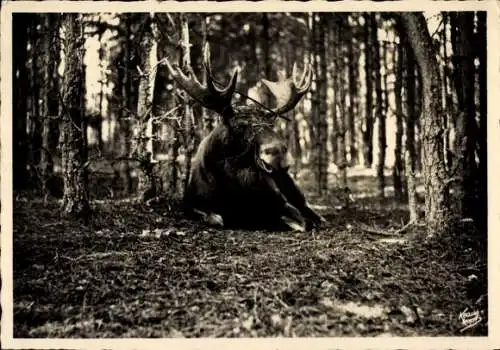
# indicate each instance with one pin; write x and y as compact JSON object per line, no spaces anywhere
{"x":208,"y":96}
{"x":289,"y":92}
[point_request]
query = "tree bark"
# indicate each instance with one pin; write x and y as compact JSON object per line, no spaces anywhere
{"x":436,"y":191}
{"x":74,"y":155}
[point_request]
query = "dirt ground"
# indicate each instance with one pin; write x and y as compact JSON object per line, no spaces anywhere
{"x":145,"y":271}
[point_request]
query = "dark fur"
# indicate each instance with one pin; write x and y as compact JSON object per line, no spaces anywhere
{"x":226,"y":180}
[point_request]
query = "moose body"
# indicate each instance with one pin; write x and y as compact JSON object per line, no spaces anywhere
{"x":239,"y":173}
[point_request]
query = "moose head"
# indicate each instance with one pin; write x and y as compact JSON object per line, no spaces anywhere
{"x":239,"y":174}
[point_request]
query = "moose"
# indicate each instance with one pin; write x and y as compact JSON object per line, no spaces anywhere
{"x":239,"y":174}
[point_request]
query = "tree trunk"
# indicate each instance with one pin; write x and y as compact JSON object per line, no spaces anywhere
{"x":189,"y":122}
{"x":368,"y":127}
{"x":379,"y":109}
{"x":411,"y":112}
{"x":334,"y":72}
{"x":50,"y":108}
{"x":102,"y":83}
{"x":436,"y":191}
{"x":20,"y":88}
{"x":482,"y":204}
{"x":412,"y":189}
{"x":397,"y":170}
{"x":124,"y":124}
{"x":465,"y":164}
{"x":146,"y":185}
{"x":313,"y":120}
{"x":74,"y":155}
{"x":165,"y":109}
{"x":266,"y":56}
{"x":321,"y":126}
{"x":35,"y":115}
{"x":416,"y":119}
{"x":207,"y":118}
{"x":447,"y":99}
{"x":410,"y":153}
{"x":353,"y":92}
{"x":343,"y":117}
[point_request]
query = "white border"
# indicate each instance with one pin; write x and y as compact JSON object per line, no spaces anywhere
{"x":493,"y":340}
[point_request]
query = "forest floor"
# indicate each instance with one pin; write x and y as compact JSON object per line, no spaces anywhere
{"x":139,"y":271}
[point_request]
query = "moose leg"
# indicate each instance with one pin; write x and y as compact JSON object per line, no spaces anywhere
{"x":199,"y":199}
{"x":295,"y":197}
{"x":290,"y":215}
{"x":211,"y":219}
